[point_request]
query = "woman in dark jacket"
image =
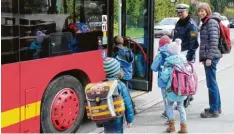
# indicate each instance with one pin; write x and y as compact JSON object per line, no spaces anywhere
{"x":210,"y":55}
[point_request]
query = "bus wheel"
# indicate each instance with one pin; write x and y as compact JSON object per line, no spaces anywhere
{"x":62,"y":108}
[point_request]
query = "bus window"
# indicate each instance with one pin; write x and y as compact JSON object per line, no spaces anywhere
{"x":9,"y":32}
{"x":59,"y":27}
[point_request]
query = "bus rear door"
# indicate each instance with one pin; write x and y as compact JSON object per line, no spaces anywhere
{"x":136,"y":25}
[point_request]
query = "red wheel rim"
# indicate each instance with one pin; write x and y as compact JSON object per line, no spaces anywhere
{"x":65,"y":109}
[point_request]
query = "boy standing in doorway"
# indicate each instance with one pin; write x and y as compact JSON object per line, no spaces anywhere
{"x":126,"y":57}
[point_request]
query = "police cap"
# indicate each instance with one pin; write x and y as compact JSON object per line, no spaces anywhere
{"x":181,"y":7}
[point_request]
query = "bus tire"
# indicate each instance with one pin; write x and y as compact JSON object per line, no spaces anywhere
{"x":63,"y":105}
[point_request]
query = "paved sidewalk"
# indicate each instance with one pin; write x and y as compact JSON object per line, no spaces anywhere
{"x":149,"y":121}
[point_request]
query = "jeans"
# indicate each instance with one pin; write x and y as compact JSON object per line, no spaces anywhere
{"x":212,"y":85}
{"x":180,"y":106}
{"x":114,"y":126}
{"x":164,"y":99}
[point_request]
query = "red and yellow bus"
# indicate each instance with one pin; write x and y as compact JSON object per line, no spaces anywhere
{"x":51,"y":50}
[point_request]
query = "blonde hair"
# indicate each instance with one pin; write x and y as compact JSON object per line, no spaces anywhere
{"x":118,"y":40}
{"x":205,"y":6}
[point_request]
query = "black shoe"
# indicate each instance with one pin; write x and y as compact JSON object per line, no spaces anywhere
{"x":99,"y":125}
{"x":208,"y":114}
{"x":135,"y":111}
{"x":191,"y":98}
{"x":207,"y":109}
{"x":186,"y":103}
{"x":164,"y":115}
{"x":188,"y":100}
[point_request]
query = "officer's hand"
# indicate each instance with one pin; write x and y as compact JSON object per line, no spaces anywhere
{"x":208,"y":62}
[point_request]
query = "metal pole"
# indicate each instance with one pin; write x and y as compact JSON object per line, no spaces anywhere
{"x":110,"y":25}
{"x":119,"y":16}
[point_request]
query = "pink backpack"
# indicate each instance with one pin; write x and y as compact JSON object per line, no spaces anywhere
{"x":184,"y":81}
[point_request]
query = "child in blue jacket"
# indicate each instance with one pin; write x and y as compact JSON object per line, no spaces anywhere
{"x":175,"y":59}
{"x":157,"y":67}
{"x":125,"y":57}
{"x":113,"y":72}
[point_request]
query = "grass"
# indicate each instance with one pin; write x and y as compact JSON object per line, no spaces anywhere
{"x":132,"y":32}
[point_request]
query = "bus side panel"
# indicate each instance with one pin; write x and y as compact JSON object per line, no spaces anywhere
{"x":11,"y":129}
{"x":37,"y":74}
{"x":10,"y":97}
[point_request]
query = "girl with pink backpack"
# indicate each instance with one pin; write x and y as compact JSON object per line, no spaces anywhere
{"x":181,"y":81}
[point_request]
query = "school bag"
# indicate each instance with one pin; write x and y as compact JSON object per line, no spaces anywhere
{"x":184,"y":81}
{"x":104,"y":101}
{"x":225,"y":44}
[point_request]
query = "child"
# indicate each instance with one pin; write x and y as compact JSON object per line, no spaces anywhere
{"x":36,"y":44}
{"x":157,"y":67}
{"x":174,"y":59}
{"x":126,"y":57}
{"x":73,"y":44}
{"x":113,"y":72}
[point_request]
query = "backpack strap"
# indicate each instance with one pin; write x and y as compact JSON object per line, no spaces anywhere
{"x":120,"y":86}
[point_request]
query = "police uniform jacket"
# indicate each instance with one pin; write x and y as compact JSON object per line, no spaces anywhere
{"x":187,"y":31}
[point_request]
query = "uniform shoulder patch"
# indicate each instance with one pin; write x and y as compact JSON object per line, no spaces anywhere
{"x":193,"y":34}
{"x":193,"y":30}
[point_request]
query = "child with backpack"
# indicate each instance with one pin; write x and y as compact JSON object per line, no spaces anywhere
{"x":113,"y":72}
{"x":126,"y":58}
{"x":175,"y":61}
{"x":157,"y":67}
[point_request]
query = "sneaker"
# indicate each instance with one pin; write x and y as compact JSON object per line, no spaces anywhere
{"x":191,"y":98}
{"x":164,"y":115}
{"x":188,"y":100}
{"x":207,"y":109}
{"x":99,"y":125}
{"x":135,"y":111}
{"x":167,"y":122}
{"x":186,"y":103}
{"x":208,"y":114}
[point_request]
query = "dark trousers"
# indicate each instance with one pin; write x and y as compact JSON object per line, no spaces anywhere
{"x":212,"y":85}
{"x":129,"y":86}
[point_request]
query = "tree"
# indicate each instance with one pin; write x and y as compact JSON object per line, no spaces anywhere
{"x":229,"y":13}
{"x":133,"y":10}
{"x":220,"y":5}
{"x":163,"y":9}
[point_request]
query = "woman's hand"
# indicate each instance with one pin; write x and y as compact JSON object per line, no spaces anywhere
{"x":208,"y":62}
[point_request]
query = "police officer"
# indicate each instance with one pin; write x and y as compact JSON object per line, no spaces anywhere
{"x":186,"y":29}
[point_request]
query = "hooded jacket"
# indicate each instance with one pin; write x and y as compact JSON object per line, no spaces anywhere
{"x":187,"y":31}
{"x":158,"y":63}
{"x":126,"y":57}
{"x":210,"y":34}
